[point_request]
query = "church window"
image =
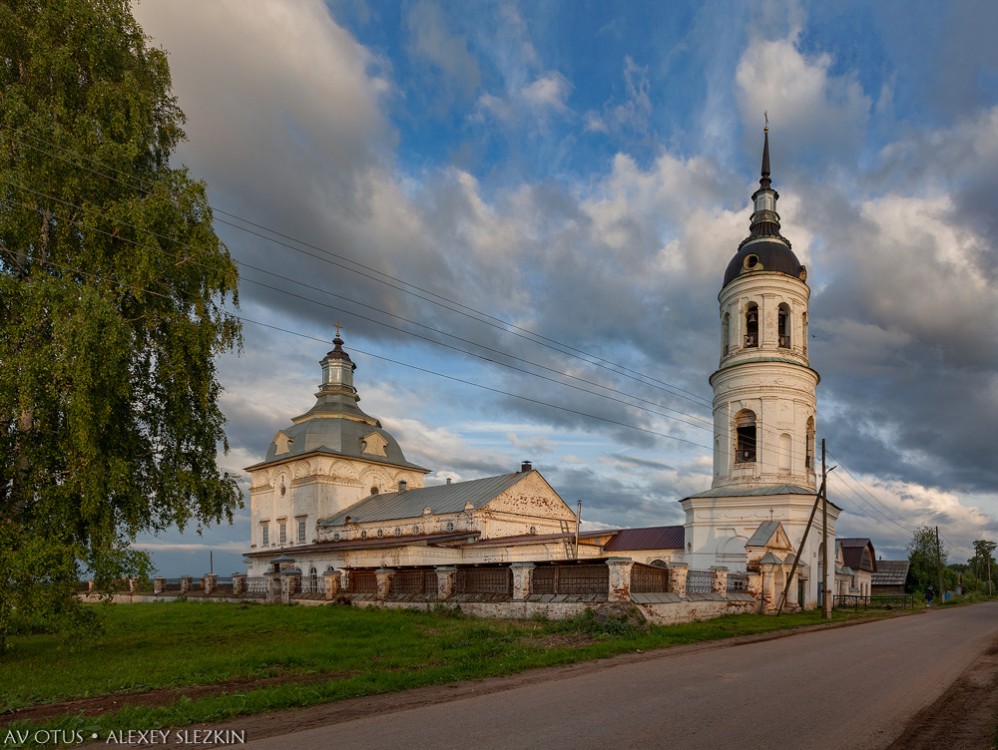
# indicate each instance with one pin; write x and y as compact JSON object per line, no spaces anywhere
{"x":786,"y":452}
{"x":804,"y":333}
{"x":745,"y":437}
{"x":809,"y":445}
{"x":784,"y":325}
{"x":283,"y":533}
{"x":752,"y":326}
{"x":265,"y":535}
{"x":301,"y":530}
{"x":381,"y":533}
{"x":725,"y":333}
{"x":374,"y":490}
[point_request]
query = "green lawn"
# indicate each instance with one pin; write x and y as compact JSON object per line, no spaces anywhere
{"x":359,"y":651}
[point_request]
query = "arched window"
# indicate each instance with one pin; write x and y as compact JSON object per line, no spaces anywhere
{"x":786,"y":452}
{"x":752,"y":325}
{"x":725,"y":333}
{"x":809,"y":445}
{"x":784,"y":326}
{"x":804,"y":336}
{"x":745,"y":441}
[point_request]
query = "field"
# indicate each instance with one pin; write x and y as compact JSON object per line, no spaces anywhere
{"x":160,"y":665}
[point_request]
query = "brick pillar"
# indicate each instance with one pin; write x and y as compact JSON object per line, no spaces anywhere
{"x":185,"y":585}
{"x":132,"y":585}
{"x":290,"y":585}
{"x":158,"y":585}
{"x":767,"y":598}
{"x":209,"y":583}
{"x":678,"y":573}
{"x":273,"y":587}
{"x":619,"y":589}
{"x":523,"y":577}
{"x":720,"y":583}
{"x":446,"y":576}
{"x":239,"y":584}
{"x":384,"y":578}
{"x":332,"y":581}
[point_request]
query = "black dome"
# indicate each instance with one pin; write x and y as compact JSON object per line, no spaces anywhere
{"x":764,"y":255}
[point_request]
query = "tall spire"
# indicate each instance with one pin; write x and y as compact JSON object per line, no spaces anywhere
{"x":765,"y":181}
{"x":765,"y":221}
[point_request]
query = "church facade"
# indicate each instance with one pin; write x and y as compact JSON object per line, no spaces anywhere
{"x":335,"y":490}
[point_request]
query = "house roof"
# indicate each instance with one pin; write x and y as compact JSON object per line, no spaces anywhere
{"x":890,"y":573}
{"x":416,"y":540}
{"x":852,"y":553}
{"x":440,"y":499}
{"x":653,"y":537}
{"x":763,"y":534}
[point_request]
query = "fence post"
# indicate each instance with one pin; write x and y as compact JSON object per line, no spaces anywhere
{"x":720,"y":583}
{"x":383,"y":576}
{"x":446,"y":575}
{"x":290,"y":584}
{"x":678,"y":573}
{"x":332,"y":578}
{"x":185,"y":585}
{"x":619,"y":589}
{"x":273,"y":587}
{"x":239,"y":585}
{"x":523,"y":577}
{"x":209,"y":583}
{"x":158,"y":585}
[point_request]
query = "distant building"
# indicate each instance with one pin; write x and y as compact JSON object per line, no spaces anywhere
{"x":855,"y":567}
{"x":890,"y":578}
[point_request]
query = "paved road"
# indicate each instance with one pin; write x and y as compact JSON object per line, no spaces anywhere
{"x":852,"y":688}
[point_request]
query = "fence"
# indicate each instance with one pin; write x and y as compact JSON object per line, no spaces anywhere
{"x":699,"y":582}
{"x":495,"y":581}
{"x":570,"y":579}
{"x":882,"y":601}
{"x":649,"y":579}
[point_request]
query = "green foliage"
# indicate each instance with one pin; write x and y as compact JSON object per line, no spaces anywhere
{"x":925,"y":560}
{"x":112,"y":285}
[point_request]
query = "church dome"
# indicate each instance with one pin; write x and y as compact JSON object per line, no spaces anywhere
{"x":336,"y":424}
{"x":764,"y":255}
{"x":765,"y":249}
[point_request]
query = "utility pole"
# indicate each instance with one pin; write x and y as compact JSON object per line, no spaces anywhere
{"x":939,"y":567}
{"x":578,"y":523}
{"x":826,"y":600}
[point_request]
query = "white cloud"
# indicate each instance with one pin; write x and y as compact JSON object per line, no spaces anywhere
{"x":432,"y":41}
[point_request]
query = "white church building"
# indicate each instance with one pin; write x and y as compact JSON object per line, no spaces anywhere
{"x":336,"y":491}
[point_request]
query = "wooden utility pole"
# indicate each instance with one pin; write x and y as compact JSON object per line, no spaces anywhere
{"x":939,"y":566}
{"x":826,"y":599}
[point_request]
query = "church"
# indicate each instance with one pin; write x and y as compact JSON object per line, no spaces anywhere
{"x":336,"y":492}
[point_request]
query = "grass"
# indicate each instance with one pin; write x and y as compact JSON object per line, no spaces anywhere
{"x":356,"y":651}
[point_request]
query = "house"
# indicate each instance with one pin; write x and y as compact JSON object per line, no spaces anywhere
{"x":890,"y":578}
{"x":856,"y":563}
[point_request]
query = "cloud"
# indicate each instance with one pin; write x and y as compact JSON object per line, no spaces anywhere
{"x":432,"y":42}
{"x":814,"y":110}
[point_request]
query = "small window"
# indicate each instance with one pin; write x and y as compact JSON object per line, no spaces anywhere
{"x":751,"y":326}
{"x":301,"y":530}
{"x":265,"y":536}
{"x":809,"y":445}
{"x":745,"y":438}
{"x":283,"y":533}
{"x":784,"y":326}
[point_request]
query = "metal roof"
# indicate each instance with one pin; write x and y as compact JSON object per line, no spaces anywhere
{"x":440,"y":499}
{"x":890,"y":573}
{"x":761,"y":491}
{"x":418,"y":540}
{"x":852,"y":554}
{"x":653,"y":537}
{"x":763,"y":534}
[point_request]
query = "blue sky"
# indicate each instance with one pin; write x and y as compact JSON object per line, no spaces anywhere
{"x":557,"y":187}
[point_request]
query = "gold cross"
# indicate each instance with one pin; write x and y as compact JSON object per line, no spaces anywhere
{"x":337,"y":324}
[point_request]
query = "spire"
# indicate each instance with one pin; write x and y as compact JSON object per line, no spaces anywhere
{"x":765,"y":221}
{"x":765,"y":181}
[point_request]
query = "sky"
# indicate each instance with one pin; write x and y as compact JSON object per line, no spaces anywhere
{"x":521,"y":212}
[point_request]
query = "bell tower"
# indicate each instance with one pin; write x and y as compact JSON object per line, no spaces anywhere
{"x":764,"y":388}
{"x":765,"y":408}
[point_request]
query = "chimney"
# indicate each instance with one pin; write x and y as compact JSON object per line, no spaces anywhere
{"x":525,"y":467}
{"x":448,"y":480}
{"x":402,"y":485}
